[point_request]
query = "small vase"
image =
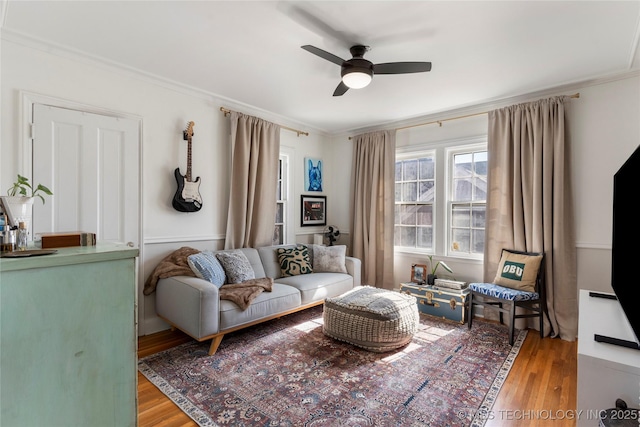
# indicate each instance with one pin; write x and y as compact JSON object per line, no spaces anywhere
{"x":431,"y":279}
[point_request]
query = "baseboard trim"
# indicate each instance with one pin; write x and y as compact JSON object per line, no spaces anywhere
{"x":153,"y":325}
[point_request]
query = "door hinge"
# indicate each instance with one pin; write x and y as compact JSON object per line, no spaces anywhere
{"x":32,"y":130}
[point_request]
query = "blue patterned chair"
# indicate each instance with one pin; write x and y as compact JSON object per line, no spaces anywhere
{"x":519,"y":283}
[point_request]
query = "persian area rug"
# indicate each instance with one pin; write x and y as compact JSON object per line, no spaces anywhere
{"x":286,"y":372}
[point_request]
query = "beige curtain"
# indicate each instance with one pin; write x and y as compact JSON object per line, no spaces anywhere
{"x":373,"y":180}
{"x":530,"y":203}
{"x":254,"y":173}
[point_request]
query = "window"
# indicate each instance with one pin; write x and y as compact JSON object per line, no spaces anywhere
{"x":280,"y":230}
{"x":468,"y":201}
{"x":434,"y":218}
{"x":414,"y":202}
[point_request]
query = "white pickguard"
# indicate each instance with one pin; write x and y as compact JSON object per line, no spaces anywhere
{"x":191,"y":191}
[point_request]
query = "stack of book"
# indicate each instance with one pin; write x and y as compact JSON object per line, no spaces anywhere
{"x":450,"y":284}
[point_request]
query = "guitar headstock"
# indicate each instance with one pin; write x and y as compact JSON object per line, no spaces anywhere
{"x":188,"y":132}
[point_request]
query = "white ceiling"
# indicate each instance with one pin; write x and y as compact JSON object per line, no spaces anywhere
{"x":249,"y":52}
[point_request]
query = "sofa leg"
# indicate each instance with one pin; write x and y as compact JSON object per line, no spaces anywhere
{"x":215,"y":343}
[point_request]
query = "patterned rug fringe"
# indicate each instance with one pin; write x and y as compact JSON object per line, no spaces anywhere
{"x":200,"y":417}
{"x":482,"y":414}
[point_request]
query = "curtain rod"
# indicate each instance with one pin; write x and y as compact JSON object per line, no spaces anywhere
{"x":439,"y":122}
{"x":299,"y":132}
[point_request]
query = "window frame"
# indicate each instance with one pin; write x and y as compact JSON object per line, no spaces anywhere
{"x":450,"y":153}
{"x":420,"y":153}
{"x":283,"y":181}
{"x":443,"y":182}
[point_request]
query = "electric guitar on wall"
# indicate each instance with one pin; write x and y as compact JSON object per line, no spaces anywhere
{"x":187,"y":197}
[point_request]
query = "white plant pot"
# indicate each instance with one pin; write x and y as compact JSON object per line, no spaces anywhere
{"x":18,"y":209}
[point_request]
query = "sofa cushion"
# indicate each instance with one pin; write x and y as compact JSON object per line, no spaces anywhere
{"x":206,"y":266}
{"x":329,"y":259}
{"x":318,"y":286}
{"x":236,"y":266}
{"x":294,"y":261}
{"x":281,"y":299}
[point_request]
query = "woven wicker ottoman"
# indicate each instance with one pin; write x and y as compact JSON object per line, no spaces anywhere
{"x":374,"y":319}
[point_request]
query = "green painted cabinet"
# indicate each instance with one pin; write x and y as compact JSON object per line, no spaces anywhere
{"x":68,"y":338}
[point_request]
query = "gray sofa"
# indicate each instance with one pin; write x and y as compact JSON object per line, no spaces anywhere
{"x":193,"y":305}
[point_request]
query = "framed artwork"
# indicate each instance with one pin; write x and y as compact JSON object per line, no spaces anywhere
{"x":418,"y":273}
{"x":312,"y":174}
{"x":313,"y":210}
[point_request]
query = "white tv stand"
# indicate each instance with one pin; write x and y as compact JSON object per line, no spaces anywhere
{"x":606,"y":372}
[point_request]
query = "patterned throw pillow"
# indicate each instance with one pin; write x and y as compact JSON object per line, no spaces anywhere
{"x":236,"y":266}
{"x":517,"y":271}
{"x":294,"y":261}
{"x":329,"y":259}
{"x":206,"y":266}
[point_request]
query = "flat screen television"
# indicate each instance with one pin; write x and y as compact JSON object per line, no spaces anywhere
{"x":625,"y":248}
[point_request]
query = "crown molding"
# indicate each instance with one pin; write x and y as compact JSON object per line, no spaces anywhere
{"x":494,"y":103}
{"x":67,"y":52}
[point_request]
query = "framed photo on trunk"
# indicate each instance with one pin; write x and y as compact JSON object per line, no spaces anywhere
{"x":418,"y":273}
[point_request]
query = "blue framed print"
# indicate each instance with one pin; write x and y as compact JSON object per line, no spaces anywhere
{"x":312,"y":174}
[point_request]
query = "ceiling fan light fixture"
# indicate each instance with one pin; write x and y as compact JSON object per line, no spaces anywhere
{"x":357,"y":79}
{"x":358,"y":72}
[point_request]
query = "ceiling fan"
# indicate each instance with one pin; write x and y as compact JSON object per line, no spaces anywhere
{"x":357,"y":72}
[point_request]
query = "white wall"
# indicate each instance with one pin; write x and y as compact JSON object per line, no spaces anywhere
{"x":605,"y":127}
{"x":165,"y":108}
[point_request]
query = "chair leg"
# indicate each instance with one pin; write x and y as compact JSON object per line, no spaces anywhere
{"x":470,"y":313}
{"x":541,"y":320}
{"x":501,"y":319}
{"x":512,"y":321}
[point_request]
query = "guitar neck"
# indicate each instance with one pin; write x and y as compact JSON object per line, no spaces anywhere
{"x":188,"y":176}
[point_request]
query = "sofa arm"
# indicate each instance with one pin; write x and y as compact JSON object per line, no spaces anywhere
{"x":190,"y":304}
{"x":354,"y":268}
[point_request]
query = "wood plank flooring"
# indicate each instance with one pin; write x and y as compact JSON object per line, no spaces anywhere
{"x":540,"y":390}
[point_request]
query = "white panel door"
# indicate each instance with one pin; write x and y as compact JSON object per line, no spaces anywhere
{"x":91,"y":163}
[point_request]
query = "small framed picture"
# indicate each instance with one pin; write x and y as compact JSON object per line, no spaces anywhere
{"x":418,"y":273}
{"x":313,"y":210}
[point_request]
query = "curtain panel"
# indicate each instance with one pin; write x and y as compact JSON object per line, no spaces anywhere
{"x":373,"y":182}
{"x":254,"y":174}
{"x":530,"y":201}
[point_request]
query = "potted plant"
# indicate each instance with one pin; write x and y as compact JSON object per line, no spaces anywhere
{"x":19,"y":199}
{"x":431,"y":277}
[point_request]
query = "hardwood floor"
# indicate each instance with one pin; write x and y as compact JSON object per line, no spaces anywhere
{"x":154,"y":408}
{"x":539,"y":391}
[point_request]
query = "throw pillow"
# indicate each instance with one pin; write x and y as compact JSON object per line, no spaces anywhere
{"x":236,"y":266}
{"x":518,"y":271}
{"x":294,"y":261}
{"x":329,"y":259}
{"x":206,"y":266}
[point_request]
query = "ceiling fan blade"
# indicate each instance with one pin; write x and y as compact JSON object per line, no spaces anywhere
{"x":341,"y":89}
{"x":401,"y":67}
{"x":323,"y":54}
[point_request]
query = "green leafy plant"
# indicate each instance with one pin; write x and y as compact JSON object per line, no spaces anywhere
{"x":435,"y":266}
{"x":22,"y":188}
